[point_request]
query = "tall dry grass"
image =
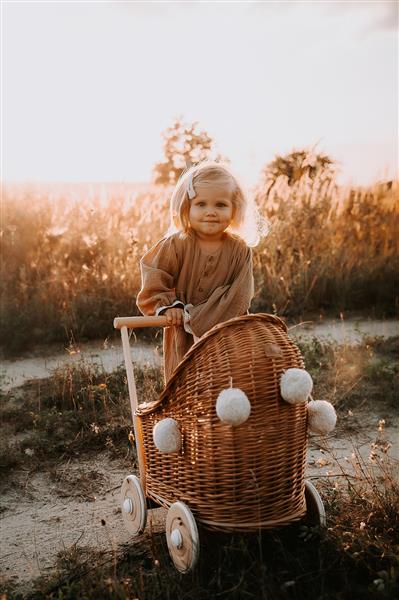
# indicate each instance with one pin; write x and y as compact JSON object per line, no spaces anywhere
{"x":70,"y":255}
{"x":70,"y":259}
{"x":330,"y":248}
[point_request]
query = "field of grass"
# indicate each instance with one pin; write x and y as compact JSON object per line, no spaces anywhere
{"x":80,"y":411}
{"x":70,"y":256}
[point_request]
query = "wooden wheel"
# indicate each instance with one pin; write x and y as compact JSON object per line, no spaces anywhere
{"x":133,"y":504}
{"x":315,"y":512}
{"x":182,"y":537}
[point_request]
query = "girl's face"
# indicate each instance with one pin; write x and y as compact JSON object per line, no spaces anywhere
{"x":211,"y":212}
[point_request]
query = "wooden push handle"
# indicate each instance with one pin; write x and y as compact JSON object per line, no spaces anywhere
{"x":125,"y":323}
{"x":136,"y":322}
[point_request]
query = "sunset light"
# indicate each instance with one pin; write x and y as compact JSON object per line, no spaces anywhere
{"x":88,"y":87}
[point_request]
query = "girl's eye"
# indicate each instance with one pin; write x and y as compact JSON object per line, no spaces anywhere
{"x":221,"y":204}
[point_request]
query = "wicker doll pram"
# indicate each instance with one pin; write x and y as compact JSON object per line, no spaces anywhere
{"x":242,"y":478}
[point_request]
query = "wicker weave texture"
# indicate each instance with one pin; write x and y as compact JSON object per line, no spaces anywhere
{"x":232,"y":478}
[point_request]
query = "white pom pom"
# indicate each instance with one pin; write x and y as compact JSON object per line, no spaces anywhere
{"x":295,"y":385}
{"x":167,"y":436}
{"x":321,"y":417}
{"x":233,"y":406}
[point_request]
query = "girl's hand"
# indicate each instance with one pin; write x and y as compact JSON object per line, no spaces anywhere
{"x":174,"y":316}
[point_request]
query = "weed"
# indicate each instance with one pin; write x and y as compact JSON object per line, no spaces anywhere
{"x":79,"y":409}
{"x":357,"y":376}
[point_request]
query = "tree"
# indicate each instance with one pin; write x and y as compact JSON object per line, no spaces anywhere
{"x":184,"y":145}
{"x":298,"y":165}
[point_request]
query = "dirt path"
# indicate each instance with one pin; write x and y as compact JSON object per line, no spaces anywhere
{"x":43,"y":515}
{"x":14,"y":373}
{"x":109,"y":355}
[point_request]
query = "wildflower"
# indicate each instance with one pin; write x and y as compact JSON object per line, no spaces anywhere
{"x":102,"y":386}
{"x":29,"y":451}
{"x":362,"y":526}
{"x":372,"y":456}
{"x":350,"y":413}
{"x":381,"y":425}
{"x":94,"y":428}
{"x":386,"y":447}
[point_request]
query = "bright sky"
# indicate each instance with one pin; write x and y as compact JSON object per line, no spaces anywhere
{"x":88,"y":87}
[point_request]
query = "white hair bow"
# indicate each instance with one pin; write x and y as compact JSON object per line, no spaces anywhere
{"x":191,"y":191}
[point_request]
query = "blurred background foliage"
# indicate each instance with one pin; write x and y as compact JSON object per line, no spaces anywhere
{"x":70,"y":254}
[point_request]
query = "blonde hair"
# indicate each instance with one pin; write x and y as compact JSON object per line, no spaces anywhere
{"x":209,"y":174}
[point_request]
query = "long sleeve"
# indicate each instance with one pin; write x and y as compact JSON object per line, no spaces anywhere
{"x":226,"y":301}
{"x":159,"y":270}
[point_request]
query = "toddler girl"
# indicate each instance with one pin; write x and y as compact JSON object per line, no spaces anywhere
{"x":201,"y":274}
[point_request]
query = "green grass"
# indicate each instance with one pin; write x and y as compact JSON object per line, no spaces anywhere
{"x":362,"y":376}
{"x":79,"y":409}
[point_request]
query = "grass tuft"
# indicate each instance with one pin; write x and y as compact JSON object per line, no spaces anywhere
{"x":79,"y":409}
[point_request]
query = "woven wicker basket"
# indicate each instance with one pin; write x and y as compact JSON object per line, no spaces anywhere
{"x":242,"y":478}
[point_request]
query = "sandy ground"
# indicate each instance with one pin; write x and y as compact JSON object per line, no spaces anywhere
{"x":45,"y":513}
{"x":109,"y":357}
{"x":41,"y":517}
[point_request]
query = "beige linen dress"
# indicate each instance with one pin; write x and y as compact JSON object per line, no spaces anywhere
{"x":219,"y":285}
